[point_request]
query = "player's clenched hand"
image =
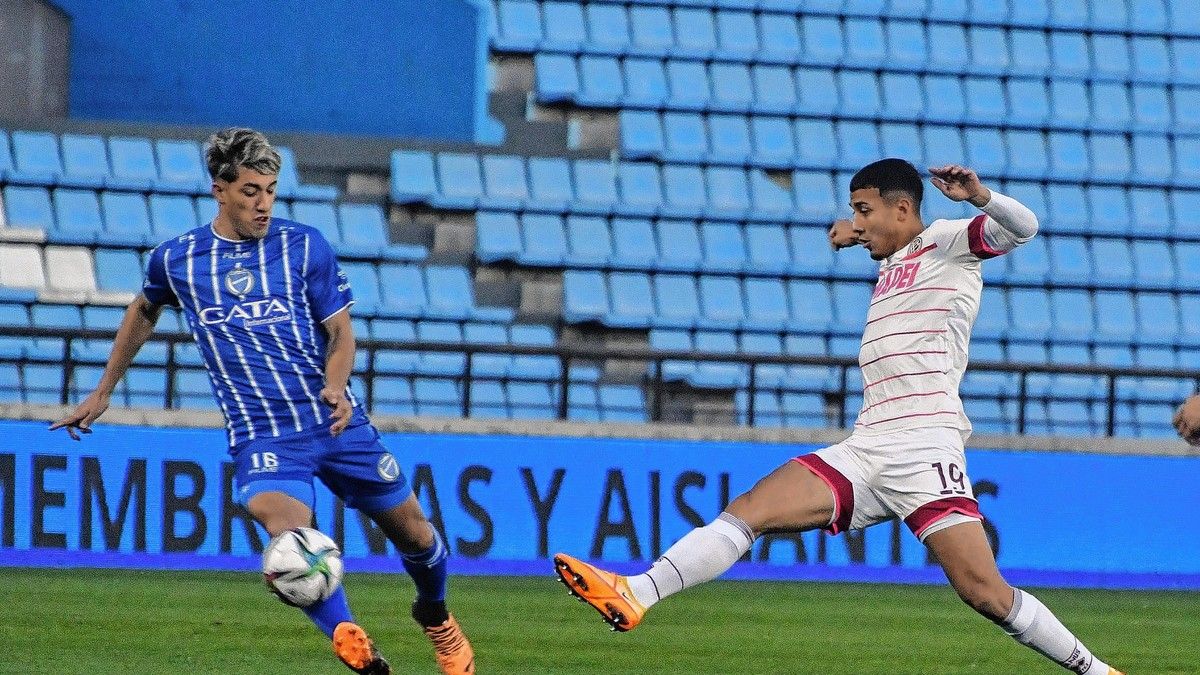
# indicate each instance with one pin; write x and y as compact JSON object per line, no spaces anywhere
{"x":842,"y":234}
{"x":336,"y":399}
{"x":81,"y":419}
{"x":960,"y":184}
{"x":1187,"y":420}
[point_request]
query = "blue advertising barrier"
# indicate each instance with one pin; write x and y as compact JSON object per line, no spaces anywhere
{"x":161,"y":498}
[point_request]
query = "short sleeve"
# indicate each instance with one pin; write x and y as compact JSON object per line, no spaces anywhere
{"x":157,"y":285}
{"x":328,"y":288}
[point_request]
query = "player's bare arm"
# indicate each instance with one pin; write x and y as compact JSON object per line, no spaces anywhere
{"x":960,"y":183}
{"x":136,"y":327}
{"x":843,"y":234}
{"x":1187,"y":420}
{"x":339,"y":361}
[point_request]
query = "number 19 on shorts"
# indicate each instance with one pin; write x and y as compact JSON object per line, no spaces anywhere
{"x":954,"y":480}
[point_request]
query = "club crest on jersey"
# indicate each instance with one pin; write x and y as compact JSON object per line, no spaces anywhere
{"x":388,"y":467}
{"x":914,"y":246}
{"x":239,"y":281}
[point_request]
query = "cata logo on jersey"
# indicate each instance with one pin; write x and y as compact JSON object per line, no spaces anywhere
{"x":252,"y":313}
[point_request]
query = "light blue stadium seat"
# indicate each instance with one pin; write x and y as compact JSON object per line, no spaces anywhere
{"x":992,"y":322}
{"x":985,"y":100}
{"x":126,"y":219}
{"x":498,"y":237}
{"x":728,"y":193}
{"x":460,"y":184}
{"x":774,"y":90}
{"x":364,"y":284}
{"x":732,"y":89}
{"x":565,"y":26}
{"x":674,"y":341}
{"x":556,"y":77}
{"x":1030,"y":52}
{"x":1110,"y":105}
{"x":1073,"y":315}
{"x":622,"y":403}
{"x":583,"y":401}
{"x":811,"y":305}
{"x":1114,"y":268}
{"x":823,"y":40}
{"x":943,"y":145}
{"x":1149,"y":212}
{"x":1070,"y":103}
{"x":451,"y":296}
{"x":1068,"y":209}
{"x":717,"y":374}
{"x":544,"y":242}
{"x":505,"y":184}
{"x":818,"y":148}
{"x":1185,"y":53}
{"x":549,"y":183}
{"x":1032,"y":306}
{"x":36,"y":159}
{"x":766,"y":305}
{"x":947,"y":40}
{"x":600,"y":81}
{"x":1110,"y":157}
{"x":684,"y":190}
{"x":1187,"y":274}
{"x":1069,"y":54}
{"x":133,"y":164}
{"x":588,"y":240}
{"x":1115,"y":322}
{"x":85,"y":161}
{"x":640,"y":188}
{"x":811,"y":254}
{"x":1110,"y":54}
{"x":1027,"y":101}
{"x":393,"y":396}
{"x":730,"y":139}
{"x":988,"y":49}
{"x":595,"y":186}
{"x":724,"y":247}
{"x":1071,"y":259}
{"x":907,"y":44}
{"x":1027,"y":154}
{"x":171,"y":216}
{"x":645,"y":83}
{"x":608,"y":28}
{"x":768,"y":199}
{"x":632,"y":300}
{"x":859,"y":94}
{"x":774,"y":142}
{"x":1153,"y":264}
{"x":818,"y":93}
{"x":950,"y":10}
{"x":901,"y":96}
{"x":1185,"y":108}
{"x":437,"y":397}
{"x":1068,"y":156}
{"x":6,"y":160}
{"x":1151,"y":59}
{"x":721,"y":302}
{"x":77,"y":216}
{"x":686,"y":139}
{"x":865,"y":45}
{"x":364,"y":233}
{"x":14,"y":348}
{"x":858,"y":144}
{"x":737,"y":35}
{"x":534,"y":367}
{"x":289,"y":180}
{"x":1151,"y":160}
{"x":779,"y":37}
{"x":519,"y":25}
{"x":180,"y":168}
{"x":532,"y":400}
{"x":641,"y":134}
{"x":1158,"y":319}
{"x":767,"y":248}
{"x":850,"y":311}
{"x":633,"y":243}
{"x":767,"y":344}
{"x":440,"y":363}
{"x":1109,"y":207}
{"x":651,"y":31}
{"x":695,"y":32}
{"x":679,"y":246}
{"x":688,"y":85}
{"x":400,"y":361}
{"x":322,"y":216}
{"x":413,"y":177}
{"x":815,"y":197}
{"x":985,"y":151}
{"x":1187,"y":160}
{"x":487,"y":365}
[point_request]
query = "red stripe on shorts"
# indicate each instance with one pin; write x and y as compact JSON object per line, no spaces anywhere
{"x":930,"y":513}
{"x":843,"y":491}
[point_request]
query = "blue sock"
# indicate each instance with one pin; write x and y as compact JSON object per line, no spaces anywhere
{"x":328,"y":613}
{"x":428,"y":570}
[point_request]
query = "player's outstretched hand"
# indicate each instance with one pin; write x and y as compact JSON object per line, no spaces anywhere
{"x":960,"y":184}
{"x":336,"y":399}
{"x":85,"y":413}
{"x":1187,"y":420}
{"x":842,"y":234}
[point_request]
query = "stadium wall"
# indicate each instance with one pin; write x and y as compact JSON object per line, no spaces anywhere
{"x":143,"y":497}
{"x":396,"y":69}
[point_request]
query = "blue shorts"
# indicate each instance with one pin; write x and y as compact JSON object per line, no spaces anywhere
{"x":355,"y":466}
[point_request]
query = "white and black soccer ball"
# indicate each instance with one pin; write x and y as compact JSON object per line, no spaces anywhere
{"x":302,"y":566}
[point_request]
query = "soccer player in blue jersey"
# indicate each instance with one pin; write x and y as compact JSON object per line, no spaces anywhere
{"x":270,"y":312}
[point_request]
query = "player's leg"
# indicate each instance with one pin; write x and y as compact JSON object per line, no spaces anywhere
{"x":794,"y":497}
{"x":965,"y":555}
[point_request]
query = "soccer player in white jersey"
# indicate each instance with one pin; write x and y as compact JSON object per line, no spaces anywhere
{"x":905,"y":456}
{"x":270,"y":311}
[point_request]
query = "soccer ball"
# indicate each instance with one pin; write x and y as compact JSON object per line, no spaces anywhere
{"x":302,"y":566}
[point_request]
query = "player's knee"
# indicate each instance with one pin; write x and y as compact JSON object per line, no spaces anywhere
{"x":990,"y":597}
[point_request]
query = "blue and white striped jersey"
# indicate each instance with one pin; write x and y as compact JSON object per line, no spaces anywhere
{"x":255,"y":309}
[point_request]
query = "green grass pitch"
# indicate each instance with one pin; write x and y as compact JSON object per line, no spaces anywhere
{"x":102,"y":621}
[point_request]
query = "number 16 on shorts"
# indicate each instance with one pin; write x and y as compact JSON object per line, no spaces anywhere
{"x":268,"y":462}
{"x":954,"y":480}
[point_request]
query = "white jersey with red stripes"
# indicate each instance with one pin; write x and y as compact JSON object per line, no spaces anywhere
{"x":918,"y":327}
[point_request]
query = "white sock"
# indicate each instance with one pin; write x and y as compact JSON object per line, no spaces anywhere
{"x":701,"y":555}
{"x":1036,"y":627}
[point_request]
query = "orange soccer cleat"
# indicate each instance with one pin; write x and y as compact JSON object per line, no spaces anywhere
{"x":608,"y":593}
{"x":451,"y":647}
{"x":355,"y":648}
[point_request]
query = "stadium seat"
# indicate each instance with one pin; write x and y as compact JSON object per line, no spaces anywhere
{"x":730,"y":139}
{"x":901,"y":94}
{"x":1068,"y":209}
{"x":992,"y":322}
{"x":519,"y":25}
{"x":608,"y":29}
{"x":1027,"y":101}
{"x":1115,"y":322}
{"x":684,"y":191}
{"x":1115,"y":263}
{"x":633,"y":243}
{"x":1073,"y":315}
{"x":640,"y":189}
{"x":1070,"y":103}
{"x":126,"y":219}
{"x":460,"y":184}
{"x":985,"y":151}
{"x":556,"y":78}
{"x":549,"y":183}
{"x":632,"y":300}
{"x":290,"y":185}
{"x":728,"y":192}
{"x":364,"y":234}
{"x":823,"y":41}
{"x":28,"y":208}
{"x":437,"y":397}
{"x":732,"y":89}
{"x":859,"y":94}
{"x":412,"y":176}
{"x":588,"y":240}
{"x":6,"y":160}
{"x":810,"y":251}
{"x":600,"y":82}
{"x":1187,"y":275}
{"x":544,"y":242}
{"x":440,"y":363}
{"x":1152,"y":160}
{"x":118,"y":271}
{"x":724,"y":247}
{"x":1158,"y":319}
{"x":1150,"y":212}
{"x":679,"y":246}
{"x":504,"y":178}
{"x":1070,"y":258}
{"x":595,"y":186}
{"x":767,"y":249}
{"x":85,"y":161}
{"x":737,"y":35}
{"x":498,"y":237}
{"x":133,"y":164}
{"x":451,"y":296}
{"x":36,"y":160}
{"x":485,"y":364}
{"x":77,"y":218}
{"x":721,"y":302}
{"x":766,"y":305}
{"x":1068,"y":156}
{"x":817,"y":146}
{"x":532,"y":400}
{"x":1185,"y":108}
{"x":858,"y":144}
{"x":943,"y":145}
{"x":322,"y":216}
{"x":1151,"y":59}
{"x":180,"y":168}
{"x":1033,"y":308}
{"x":622,"y":403}
{"x":1153,"y":265}
{"x":1030,"y":51}
{"x":985,"y":100}
{"x":641,"y":134}
{"x":817,"y":91}
{"x":673,"y":341}
{"x":364,"y":284}
{"x":534,"y":367}
{"x":815,"y":196}
{"x":171,"y":216}
{"x":1110,"y":106}
{"x":651,"y":32}
{"x":389,"y":360}
{"x":768,"y":200}
{"x":811,"y":304}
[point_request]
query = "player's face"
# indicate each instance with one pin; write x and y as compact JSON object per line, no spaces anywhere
{"x":878,"y":222}
{"x":246,"y":202}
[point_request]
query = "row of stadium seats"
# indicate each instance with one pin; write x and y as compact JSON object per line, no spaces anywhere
{"x":165,"y":166}
{"x":769,"y":249}
{"x":454,"y":180}
{"x":609,"y":82}
{"x":85,"y":216}
{"x":1171,"y":17}
{"x":636,"y":300}
{"x":739,"y":36}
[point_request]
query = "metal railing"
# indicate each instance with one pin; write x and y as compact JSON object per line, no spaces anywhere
{"x":655,"y":383}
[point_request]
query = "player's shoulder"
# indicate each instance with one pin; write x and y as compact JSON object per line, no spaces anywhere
{"x":283,"y":225}
{"x":196,"y":234}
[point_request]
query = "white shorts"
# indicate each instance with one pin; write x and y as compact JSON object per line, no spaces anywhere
{"x":918,"y":475}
